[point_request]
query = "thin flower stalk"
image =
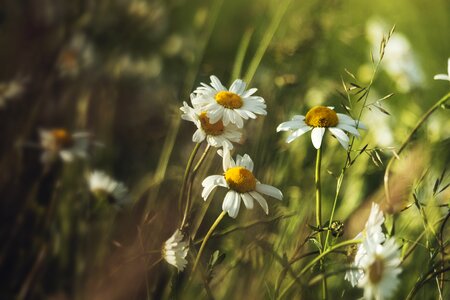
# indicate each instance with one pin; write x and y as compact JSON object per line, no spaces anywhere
{"x":186,"y":175}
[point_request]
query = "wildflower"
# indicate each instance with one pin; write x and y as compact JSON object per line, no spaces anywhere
{"x":76,"y":56}
{"x":372,"y":231}
{"x":10,"y":90}
{"x":216,"y":134}
{"x":60,"y":142}
{"x":105,"y":187}
{"x":444,"y":76}
{"x":175,"y":250}
{"x":231,"y":106}
{"x":241,"y":184}
{"x":381,"y":269}
{"x":318,"y":119}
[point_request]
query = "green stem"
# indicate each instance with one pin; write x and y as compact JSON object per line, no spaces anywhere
{"x":338,"y":188}
{"x":207,"y":236}
{"x":408,"y":140}
{"x":191,"y":181}
{"x":315,"y":260}
{"x":186,"y":173}
{"x":319,"y":216}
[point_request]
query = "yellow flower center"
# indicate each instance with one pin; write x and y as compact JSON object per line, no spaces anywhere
{"x":229,"y":99}
{"x":62,"y":137}
{"x":321,"y":116}
{"x":376,"y":270}
{"x":210,"y":129}
{"x":240,"y":179}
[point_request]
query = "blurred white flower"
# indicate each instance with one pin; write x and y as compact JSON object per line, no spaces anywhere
{"x":175,"y":250}
{"x":444,"y":76}
{"x":76,"y":56}
{"x":399,"y":60}
{"x":231,"y":106}
{"x":10,"y":90}
{"x":372,"y":231}
{"x":217,"y":135}
{"x":105,"y":187}
{"x":318,"y":119}
{"x":238,"y":178}
{"x":60,"y":142}
{"x":381,"y":267}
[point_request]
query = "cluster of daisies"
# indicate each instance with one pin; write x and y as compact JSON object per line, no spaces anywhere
{"x":60,"y":144}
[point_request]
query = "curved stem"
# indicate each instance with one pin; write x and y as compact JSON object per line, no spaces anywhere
{"x":207,"y":236}
{"x":407,"y":141}
{"x":191,"y":181}
{"x":315,"y":260}
{"x":338,"y":188}
{"x":186,"y":173}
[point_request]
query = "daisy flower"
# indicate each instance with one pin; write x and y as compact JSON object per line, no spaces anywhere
{"x":318,"y":119}
{"x":231,"y":106}
{"x":60,"y":142}
{"x":381,"y":269}
{"x":372,"y":231}
{"x":238,"y":178}
{"x":105,"y":187}
{"x":175,"y":250}
{"x":216,"y":134}
{"x":444,"y":76}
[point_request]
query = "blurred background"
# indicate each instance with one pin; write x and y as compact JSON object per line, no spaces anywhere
{"x":120,"y":70}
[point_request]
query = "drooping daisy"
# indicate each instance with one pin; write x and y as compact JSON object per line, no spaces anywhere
{"x":238,"y":178}
{"x":444,"y":76}
{"x":175,"y":250}
{"x":231,"y":106}
{"x":372,"y":231}
{"x":216,"y":134}
{"x":66,"y":145}
{"x":105,"y":187}
{"x":318,"y":119}
{"x":381,"y":267}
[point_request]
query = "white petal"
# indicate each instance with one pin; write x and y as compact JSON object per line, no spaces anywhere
{"x":298,"y":133}
{"x":317,"y":136}
{"x":441,"y":77}
{"x":227,"y":161}
{"x":238,"y":87}
{"x":349,"y":128}
{"x":269,"y":190}
{"x":261,"y":201}
{"x":215,"y":83}
{"x":290,"y":125}
{"x":228,"y":201}
{"x":248,"y":200}
{"x":341,"y":136}
{"x":199,"y":136}
{"x":247,"y":162}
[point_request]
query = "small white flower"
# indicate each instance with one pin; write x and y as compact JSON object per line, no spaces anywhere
{"x":372,"y":231}
{"x":76,"y":56}
{"x":238,"y":178}
{"x":217,"y":135}
{"x":10,"y":90}
{"x":231,"y":106}
{"x":175,"y":250}
{"x":60,"y":142}
{"x":103,"y":186}
{"x":444,"y":76}
{"x":318,"y":119}
{"x":381,"y":267}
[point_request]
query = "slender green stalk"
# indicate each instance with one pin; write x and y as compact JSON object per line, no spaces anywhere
{"x":319,"y":216}
{"x":338,"y":188}
{"x":408,"y":140}
{"x":239,"y":61}
{"x":207,"y":236}
{"x":186,"y":173}
{"x":191,"y":181}
{"x":315,"y":260}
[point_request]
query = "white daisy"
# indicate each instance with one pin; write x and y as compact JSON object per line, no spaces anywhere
{"x":241,"y":183}
{"x":216,"y":134}
{"x":444,"y":76}
{"x":60,"y":142}
{"x":103,"y":186}
{"x":372,"y":231}
{"x":231,"y":106}
{"x":318,"y":119}
{"x":381,"y":267}
{"x":175,"y":250}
